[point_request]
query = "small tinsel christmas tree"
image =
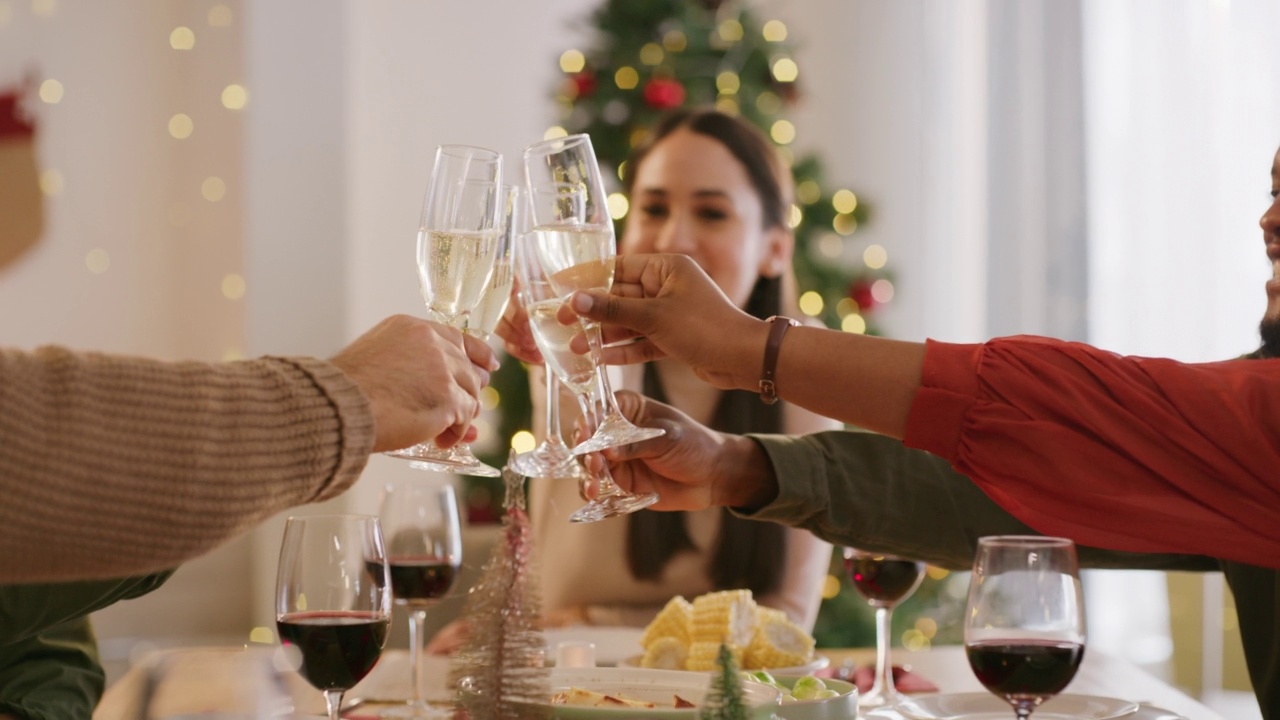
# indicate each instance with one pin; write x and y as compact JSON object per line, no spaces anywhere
{"x":500,"y":670}
{"x":725,"y":701}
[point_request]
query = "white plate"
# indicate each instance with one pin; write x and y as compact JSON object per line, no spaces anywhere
{"x":819,"y":662}
{"x":985,"y":706}
{"x":613,"y":644}
{"x":657,"y":686}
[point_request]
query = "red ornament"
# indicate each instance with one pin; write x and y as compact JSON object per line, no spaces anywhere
{"x":585,"y":83}
{"x":860,"y":292}
{"x":663,"y":93}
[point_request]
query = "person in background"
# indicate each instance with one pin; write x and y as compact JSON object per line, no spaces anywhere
{"x":1145,"y":462}
{"x":113,"y":467}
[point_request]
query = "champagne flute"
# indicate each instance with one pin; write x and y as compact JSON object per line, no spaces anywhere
{"x":576,"y":248}
{"x":424,"y":554}
{"x":884,"y":580}
{"x":493,"y":301}
{"x":1024,"y":630}
{"x":333,"y":600}
{"x":541,"y":303}
{"x":457,"y":246}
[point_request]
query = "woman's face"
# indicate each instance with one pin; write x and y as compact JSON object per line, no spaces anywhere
{"x":692,"y":196}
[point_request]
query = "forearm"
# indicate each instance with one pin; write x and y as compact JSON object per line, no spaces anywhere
{"x":52,"y":676}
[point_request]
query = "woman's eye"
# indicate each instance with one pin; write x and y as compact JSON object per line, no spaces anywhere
{"x":654,"y":210}
{"x":712,"y":214}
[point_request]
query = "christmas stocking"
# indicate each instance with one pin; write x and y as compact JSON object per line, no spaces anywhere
{"x":21,"y":204}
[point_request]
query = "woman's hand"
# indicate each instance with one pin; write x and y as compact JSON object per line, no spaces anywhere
{"x":517,"y":338}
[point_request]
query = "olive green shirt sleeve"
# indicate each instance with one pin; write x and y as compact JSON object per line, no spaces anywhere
{"x":869,"y":491}
{"x":52,"y":675}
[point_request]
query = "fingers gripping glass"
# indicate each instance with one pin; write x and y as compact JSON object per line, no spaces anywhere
{"x":575,"y":247}
{"x":463,"y":220}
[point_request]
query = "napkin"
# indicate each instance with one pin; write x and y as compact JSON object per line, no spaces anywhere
{"x":864,"y":677}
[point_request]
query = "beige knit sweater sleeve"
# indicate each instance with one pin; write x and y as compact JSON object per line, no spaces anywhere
{"x":114,"y":466}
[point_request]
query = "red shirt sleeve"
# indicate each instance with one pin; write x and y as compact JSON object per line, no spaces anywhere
{"x":1128,"y":453}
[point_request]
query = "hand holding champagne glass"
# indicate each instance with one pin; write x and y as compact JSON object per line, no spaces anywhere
{"x":1024,"y":630}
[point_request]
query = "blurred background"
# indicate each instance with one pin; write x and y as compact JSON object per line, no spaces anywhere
{"x":223,"y":179}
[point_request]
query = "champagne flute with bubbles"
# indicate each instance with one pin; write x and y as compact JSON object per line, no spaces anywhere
{"x":457,"y":246}
{"x":493,"y":301}
{"x":576,"y":249}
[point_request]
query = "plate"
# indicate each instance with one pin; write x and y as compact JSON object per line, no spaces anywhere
{"x":656,"y":686}
{"x":1145,"y":712}
{"x":985,"y":706}
{"x":613,"y":644}
{"x":819,"y":662}
{"x":841,"y":707}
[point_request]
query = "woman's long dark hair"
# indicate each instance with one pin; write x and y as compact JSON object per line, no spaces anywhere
{"x":749,"y":554}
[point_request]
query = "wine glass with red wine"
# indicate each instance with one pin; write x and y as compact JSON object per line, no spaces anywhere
{"x":424,"y":551}
{"x":1024,"y":627}
{"x":884,"y":580}
{"x":333,"y":600}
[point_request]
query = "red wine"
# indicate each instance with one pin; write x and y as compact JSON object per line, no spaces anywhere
{"x":416,"y":578}
{"x":338,"y":648}
{"x":883,"y":580}
{"x":1024,"y":668}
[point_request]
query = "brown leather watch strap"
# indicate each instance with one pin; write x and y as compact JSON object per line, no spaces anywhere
{"x":768,"y":385}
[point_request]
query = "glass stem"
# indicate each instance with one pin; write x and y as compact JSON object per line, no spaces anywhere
{"x":884,"y":671}
{"x":552,"y":435}
{"x":333,"y":702}
{"x":590,"y":405}
{"x":602,"y":388}
{"x":417,"y":645}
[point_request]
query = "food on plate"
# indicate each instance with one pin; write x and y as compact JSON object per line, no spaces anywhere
{"x":809,"y":687}
{"x":687,"y":635}
{"x":591,"y":698}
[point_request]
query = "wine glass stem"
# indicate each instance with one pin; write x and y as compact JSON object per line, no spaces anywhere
{"x":884,"y":671}
{"x":605,"y":487}
{"x":417,"y":623}
{"x":601,"y":386}
{"x":333,"y":702}
{"x":552,"y":433}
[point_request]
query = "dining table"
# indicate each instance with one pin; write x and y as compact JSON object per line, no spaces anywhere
{"x":945,"y":666}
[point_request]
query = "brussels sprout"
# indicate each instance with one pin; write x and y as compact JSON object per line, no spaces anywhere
{"x":809,"y":688}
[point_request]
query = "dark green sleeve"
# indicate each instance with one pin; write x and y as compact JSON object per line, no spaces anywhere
{"x":869,"y":491}
{"x":25,"y":610}
{"x":52,"y":675}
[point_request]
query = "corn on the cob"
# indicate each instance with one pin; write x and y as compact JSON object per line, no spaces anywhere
{"x":672,"y":621}
{"x":703,"y":655}
{"x":727,"y":616}
{"x":778,"y":642}
{"x":667,"y":653}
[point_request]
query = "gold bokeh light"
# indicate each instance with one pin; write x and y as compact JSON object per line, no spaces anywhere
{"x":97,"y":260}
{"x":674,"y":41}
{"x":774,"y":31}
{"x":844,"y":224}
{"x":213,"y":189}
{"x":795,"y":216}
{"x":233,"y":286}
{"x":182,"y":38}
{"x":51,"y":182}
{"x":220,"y":16}
{"x":811,"y":303}
{"x":875,"y":256}
{"x":626,"y":78}
{"x":572,"y":61}
{"x":490,"y":398}
{"x":730,"y":31}
{"x":651,"y":54}
{"x":51,"y":91}
{"x":618,"y":206}
{"x":831,"y":246}
{"x":728,"y":82}
{"x":844,"y":201}
{"x":785,"y":70}
{"x":181,"y":126}
{"x":808,"y":192}
{"x":523,"y":441}
{"x":727,"y":105}
{"x":782,"y":132}
{"x":555,"y":131}
{"x":854,"y":323}
{"x":234,"y":97}
{"x":768,"y":103}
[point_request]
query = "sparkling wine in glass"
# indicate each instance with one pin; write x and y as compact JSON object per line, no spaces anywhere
{"x":333,"y":600}
{"x":493,"y":301}
{"x":884,"y":580}
{"x":576,"y":248}
{"x":424,"y":554}
{"x":577,"y":373}
{"x":458,"y":243}
{"x":1024,"y":630}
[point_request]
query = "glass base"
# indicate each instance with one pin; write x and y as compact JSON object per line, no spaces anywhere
{"x":612,"y":506}
{"x":457,"y":459}
{"x":549,"y":464}
{"x":614,"y":432}
{"x":880,"y":699}
{"x":412,"y":710}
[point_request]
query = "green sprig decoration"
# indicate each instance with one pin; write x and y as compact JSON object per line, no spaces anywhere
{"x":725,"y":701}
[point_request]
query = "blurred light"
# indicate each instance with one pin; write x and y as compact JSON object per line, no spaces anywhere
{"x":727,"y":82}
{"x":51,"y":91}
{"x":97,"y":261}
{"x":637,"y":136}
{"x":622,"y":170}
{"x":262,"y":635}
{"x":783,"y":132}
{"x":43,"y":7}
{"x":774,"y":31}
{"x":213,"y":189}
{"x":830,"y":245}
{"x":936,"y":573}
{"x":785,"y":70}
{"x":523,"y":441}
{"x":555,"y":131}
{"x":845,"y":306}
{"x":651,"y":54}
{"x":769,"y":103}
{"x":811,"y":303}
{"x":844,"y":201}
{"x":51,"y":182}
{"x":854,"y":323}
{"x":232,"y":355}
{"x":795,"y":216}
{"x":490,"y":398}
{"x":830,"y":587}
{"x":927,"y":627}
{"x":674,"y":41}
{"x":626,"y":78}
{"x":914,"y":640}
{"x":882,"y":291}
{"x":572,"y":61}
{"x":233,"y":286}
{"x":618,"y":206}
{"x":182,"y":38}
{"x":730,"y":31}
{"x":181,"y":126}
{"x":844,"y":224}
{"x":875,"y":256}
{"x":234,"y":97}
{"x":220,"y":16}
{"x":727,"y":105}
{"x":179,"y":214}
{"x":808,"y":192}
